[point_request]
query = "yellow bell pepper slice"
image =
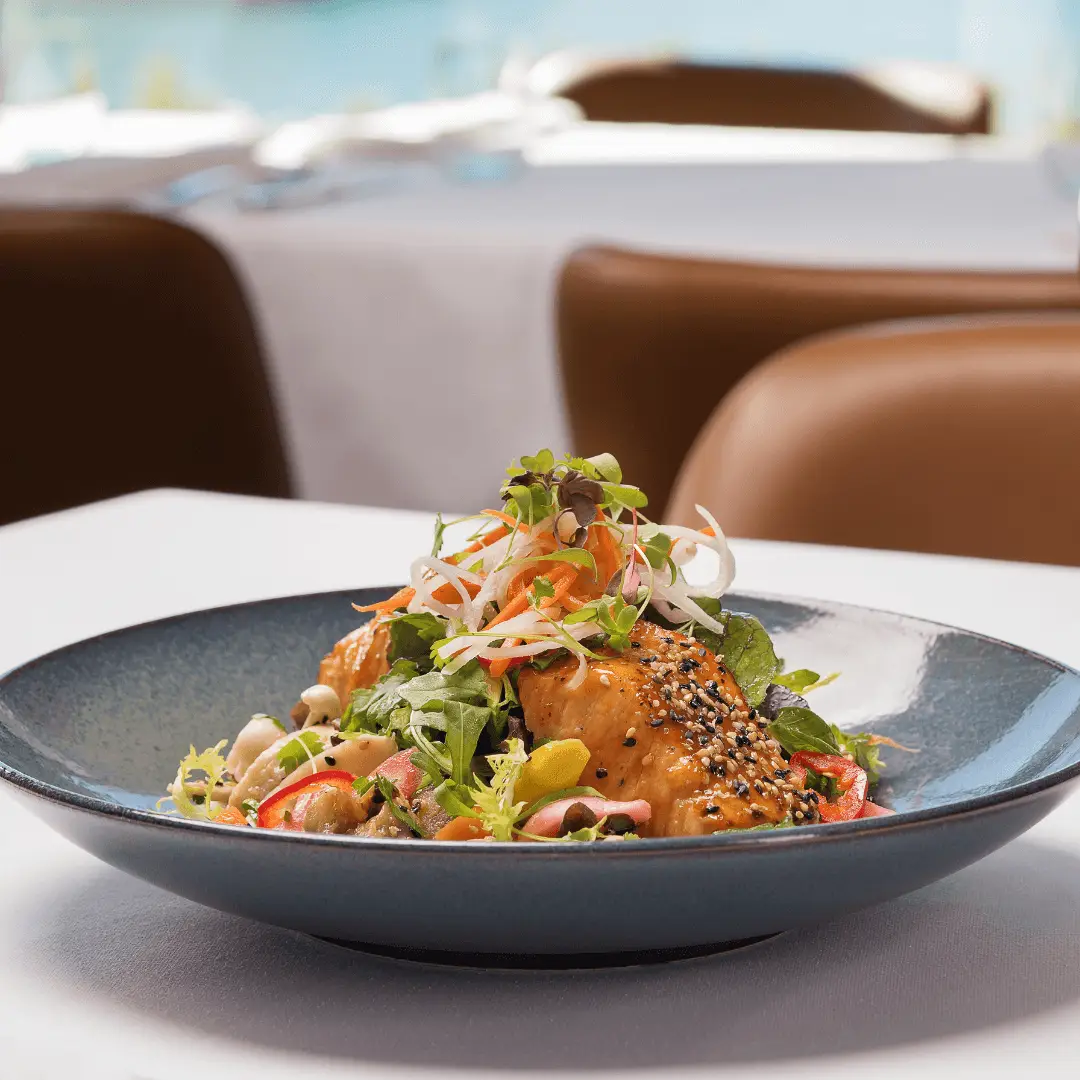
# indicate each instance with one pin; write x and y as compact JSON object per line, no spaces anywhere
{"x":551,"y":767}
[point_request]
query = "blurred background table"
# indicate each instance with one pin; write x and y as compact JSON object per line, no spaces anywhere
{"x":978,"y":974}
{"x":398,"y":317}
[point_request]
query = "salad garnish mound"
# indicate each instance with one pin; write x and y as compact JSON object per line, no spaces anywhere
{"x":567,"y":673}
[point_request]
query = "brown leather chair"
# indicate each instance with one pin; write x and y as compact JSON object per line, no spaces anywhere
{"x":130,"y":361}
{"x":959,"y":436}
{"x":678,"y":92}
{"x":649,"y":344}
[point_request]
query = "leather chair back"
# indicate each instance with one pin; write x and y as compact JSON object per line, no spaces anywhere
{"x":130,"y":361}
{"x":649,"y":344}
{"x":677,"y":92}
{"x":958,"y":436}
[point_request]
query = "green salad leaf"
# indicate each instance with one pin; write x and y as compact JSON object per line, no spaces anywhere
{"x":386,"y":788}
{"x":370,"y":708}
{"x":203,"y":770}
{"x":412,"y":636}
{"x":804,"y":680}
{"x":431,"y":691}
{"x":300,"y":748}
{"x":464,"y":725}
{"x":798,"y":729}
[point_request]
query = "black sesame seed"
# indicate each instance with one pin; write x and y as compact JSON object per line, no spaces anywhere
{"x":656,"y":722}
{"x":668,"y":640}
{"x":648,"y":659}
{"x":742,"y":789}
{"x":731,"y":753}
{"x":782,"y":774}
{"x":696,"y":702}
{"x":331,"y":761}
{"x":704,"y":740}
{"x":687,"y":664}
{"x":711,"y":809}
{"x":635,"y":644}
{"x":630,"y":742}
{"x":741,"y":740}
{"x":601,"y":773}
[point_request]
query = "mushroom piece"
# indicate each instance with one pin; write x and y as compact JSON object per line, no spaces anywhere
{"x":323,"y":705}
{"x":260,"y":732}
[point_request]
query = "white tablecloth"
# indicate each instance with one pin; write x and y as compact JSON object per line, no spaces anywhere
{"x":103,"y":976}
{"x":428,"y":313}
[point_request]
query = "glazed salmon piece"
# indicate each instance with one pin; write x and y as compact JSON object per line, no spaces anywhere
{"x":665,"y":721}
{"x":357,"y":660}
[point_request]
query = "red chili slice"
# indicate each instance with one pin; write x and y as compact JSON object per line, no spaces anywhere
{"x":273,"y":810}
{"x":873,"y":810}
{"x":850,"y":778}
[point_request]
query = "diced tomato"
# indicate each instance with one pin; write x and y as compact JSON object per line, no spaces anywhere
{"x":873,"y":810}
{"x":273,"y":810}
{"x":402,"y":773}
{"x":850,"y":779}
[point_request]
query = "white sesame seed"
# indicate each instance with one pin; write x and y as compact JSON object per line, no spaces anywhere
{"x":604,"y":680}
{"x":630,"y":732}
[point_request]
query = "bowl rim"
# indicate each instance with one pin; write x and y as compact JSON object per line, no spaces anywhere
{"x":736,"y":840}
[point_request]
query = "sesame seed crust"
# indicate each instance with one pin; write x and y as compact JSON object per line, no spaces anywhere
{"x":685,"y":739}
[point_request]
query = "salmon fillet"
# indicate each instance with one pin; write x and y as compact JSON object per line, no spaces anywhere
{"x":665,"y":721}
{"x":357,"y":660}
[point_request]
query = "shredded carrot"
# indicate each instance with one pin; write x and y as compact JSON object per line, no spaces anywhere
{"x":520,"y":602}
{"x":708,"y":531}
{"x":447,"y":594}
{"x":498,"y":667}
{"x":398,"y":600}
{"x":562,"y":590}
{"x":506,"y":519}
{"x":486,"y":540}
{"x":462,"y":828}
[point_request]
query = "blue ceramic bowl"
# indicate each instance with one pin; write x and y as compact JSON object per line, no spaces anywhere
{"x":91,"y":734}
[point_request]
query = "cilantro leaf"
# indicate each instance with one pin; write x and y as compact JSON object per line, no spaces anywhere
{"x":541,"y":590}
{"x":440,"y":529}
{"x":370,"y":708}
{"x":300,"y":748}
{"x":412,"y":636}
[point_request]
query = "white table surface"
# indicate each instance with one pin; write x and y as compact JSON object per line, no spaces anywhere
{"x":103,"y":976}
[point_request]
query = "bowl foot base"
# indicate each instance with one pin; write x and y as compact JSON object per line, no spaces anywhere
{"x":552,"y":961}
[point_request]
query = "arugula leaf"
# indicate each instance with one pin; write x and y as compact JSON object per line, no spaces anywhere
{"x":386,"y":787}
{"x":412,"y":636}
{"x":430,"y":692}
{"x":302,"y":747}
{"x":370,"y":708}
{"x":204,"y":769}
{"x":440,"y":529}
{"x":464,"y":725}
{"x":798,"y":729}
